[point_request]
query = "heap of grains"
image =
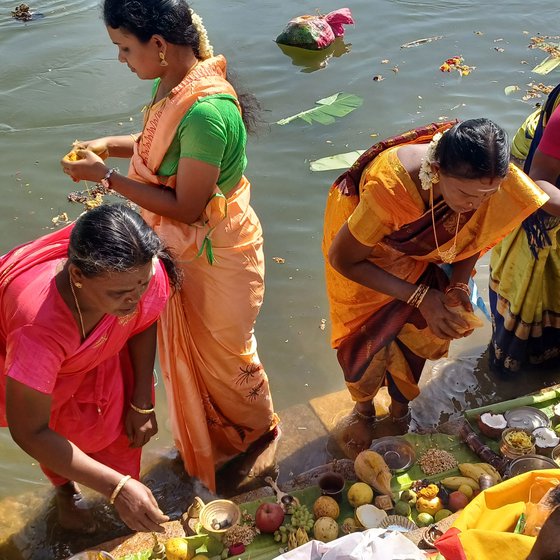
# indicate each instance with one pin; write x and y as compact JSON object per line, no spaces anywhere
{"x":239,"y":534}
{"x":436,"y":460}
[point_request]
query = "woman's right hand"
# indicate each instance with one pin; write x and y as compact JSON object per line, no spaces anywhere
{"x":443,"y":323}
{"x":99,"y":146}
{"x":138,"y":508}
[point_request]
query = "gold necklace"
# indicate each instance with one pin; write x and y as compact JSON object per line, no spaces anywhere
{"x":77,"y":307}
{"x":450,"y":254}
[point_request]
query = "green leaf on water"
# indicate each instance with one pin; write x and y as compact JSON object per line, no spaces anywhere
{"x":510,"y":89}
{"x":339,"y":161}
{"x":337,"y":105}
{"x":547,"y":65}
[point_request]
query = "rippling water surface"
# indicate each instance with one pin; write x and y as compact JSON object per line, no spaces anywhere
{"x":60,"y":81}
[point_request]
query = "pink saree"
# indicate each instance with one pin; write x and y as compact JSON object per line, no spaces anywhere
{"x":90,"y":382}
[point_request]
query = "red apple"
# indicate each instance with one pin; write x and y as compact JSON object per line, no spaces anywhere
{"x":457,"y":501}
{"x":268,"y":517}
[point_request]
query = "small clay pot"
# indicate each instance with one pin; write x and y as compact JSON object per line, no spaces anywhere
{"x":332,"y":484}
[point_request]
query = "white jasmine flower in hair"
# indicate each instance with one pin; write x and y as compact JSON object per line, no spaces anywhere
{"x":426,"y":174}
{"x":205,"y":49}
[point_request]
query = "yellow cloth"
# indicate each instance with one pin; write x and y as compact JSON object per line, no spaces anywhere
{"x":486,"y":524}
{"x":527,"y":288}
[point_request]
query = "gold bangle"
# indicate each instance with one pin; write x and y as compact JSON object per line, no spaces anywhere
{"x":118,"y":488}
{"x":142,"y":410}
{"x":458,"y":286}
{"x":421,"y":297}
{"x":416,"y":298}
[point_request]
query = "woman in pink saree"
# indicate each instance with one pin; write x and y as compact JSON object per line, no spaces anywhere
{"x":77,"y":346}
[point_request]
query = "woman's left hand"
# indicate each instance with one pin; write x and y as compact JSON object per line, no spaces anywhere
{"x":90,"y":167}
{"x":140,"y":428}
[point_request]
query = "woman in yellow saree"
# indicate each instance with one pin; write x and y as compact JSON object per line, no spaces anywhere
{"x":405,"y":207}
{"x":186,"y":173}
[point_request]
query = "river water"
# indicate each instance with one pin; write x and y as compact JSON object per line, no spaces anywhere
{"x":60,"y":81}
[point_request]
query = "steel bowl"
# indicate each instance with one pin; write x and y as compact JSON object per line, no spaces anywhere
{"x":397,"y":452}
{"x":528,"y":463}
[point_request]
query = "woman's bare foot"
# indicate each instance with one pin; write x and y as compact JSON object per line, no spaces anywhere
{"x":260,"y":458}
{"x":396,"y":423}
{"x":73,"y":512}
{"x":354,"y":432}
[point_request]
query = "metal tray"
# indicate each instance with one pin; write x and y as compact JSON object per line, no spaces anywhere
{"x":527,"y":418}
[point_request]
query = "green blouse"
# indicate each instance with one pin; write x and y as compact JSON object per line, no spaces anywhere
{"x":211,"y":131}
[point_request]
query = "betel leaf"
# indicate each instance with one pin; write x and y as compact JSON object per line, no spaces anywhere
{"x":547,"y":65}
{"x":337,"y":105}
{"x":339,"y":161}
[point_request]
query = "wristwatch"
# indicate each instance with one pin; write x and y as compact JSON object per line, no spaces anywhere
{"x":106,"y":181}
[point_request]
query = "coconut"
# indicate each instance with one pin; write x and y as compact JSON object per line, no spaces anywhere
{"x":369,"y":516}
{"x":492,"y":425}
{"x":545,"y":441}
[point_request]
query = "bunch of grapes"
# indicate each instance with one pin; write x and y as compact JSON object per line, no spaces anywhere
{"x":281,"y":534}
{"x":302,"y":517}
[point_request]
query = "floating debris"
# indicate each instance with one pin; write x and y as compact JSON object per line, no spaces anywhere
{"x":23,"y":13}
{"x":536,"y":90}
{"x":60,"y":219}
{"x":279,"y":260}
{"x":92,"y":197}
{"x":510,"y":89}
{"x":378,"y":78}
{"x":544,"y":43}
{"x":419,"y":42}
{"x":456,"y":63}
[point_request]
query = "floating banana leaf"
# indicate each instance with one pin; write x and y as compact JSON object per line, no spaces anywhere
{"x":339,"y":161}
{"x":337,"y":105}
{"x":547,"y":65}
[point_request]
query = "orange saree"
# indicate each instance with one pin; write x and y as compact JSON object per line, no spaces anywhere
{"x":380,"y":339}
{"x":217,"y":390}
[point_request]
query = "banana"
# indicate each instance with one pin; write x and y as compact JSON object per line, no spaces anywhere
{"x":454,"y":482}
{"x":491,"y":471}
{"x":475,"y":470}
{"x":471,"y":470}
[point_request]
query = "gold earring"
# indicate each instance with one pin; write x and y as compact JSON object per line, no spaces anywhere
{"x":435,"y":178}
{"x":78,"y":284}
{"x":162,"y":61}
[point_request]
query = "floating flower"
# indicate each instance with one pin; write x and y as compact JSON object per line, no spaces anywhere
{"x":456,"y":63}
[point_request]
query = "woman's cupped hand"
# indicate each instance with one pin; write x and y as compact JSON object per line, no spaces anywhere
{"x":443,"y":322}
{"x":88,"y":167}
